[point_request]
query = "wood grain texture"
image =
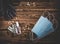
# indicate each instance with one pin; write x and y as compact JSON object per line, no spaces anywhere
{"x":27,"y":17}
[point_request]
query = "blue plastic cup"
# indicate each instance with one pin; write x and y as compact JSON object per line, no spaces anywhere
{"x":42,"y":27}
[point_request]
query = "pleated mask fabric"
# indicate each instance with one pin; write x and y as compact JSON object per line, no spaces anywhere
{"x":42,"y":27}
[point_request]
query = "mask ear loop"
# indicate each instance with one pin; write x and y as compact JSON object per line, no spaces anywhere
{"x":34,"y":39}
{"x":52,"y":18}
{"x":44,"y":14}
{"x":55,"y":24}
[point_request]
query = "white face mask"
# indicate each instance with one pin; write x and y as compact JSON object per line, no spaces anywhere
{"x":43,"y":27}
{"x":15,"y":28}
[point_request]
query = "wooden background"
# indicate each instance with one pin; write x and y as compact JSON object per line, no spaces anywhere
{"x":27,"y":16}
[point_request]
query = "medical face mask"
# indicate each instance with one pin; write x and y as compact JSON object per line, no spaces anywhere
{"x":42,"y":27}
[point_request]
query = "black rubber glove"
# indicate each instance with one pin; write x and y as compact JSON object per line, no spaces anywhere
{"x":7,"y":9}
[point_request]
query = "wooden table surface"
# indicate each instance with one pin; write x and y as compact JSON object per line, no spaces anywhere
{"x":26,"y":15}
